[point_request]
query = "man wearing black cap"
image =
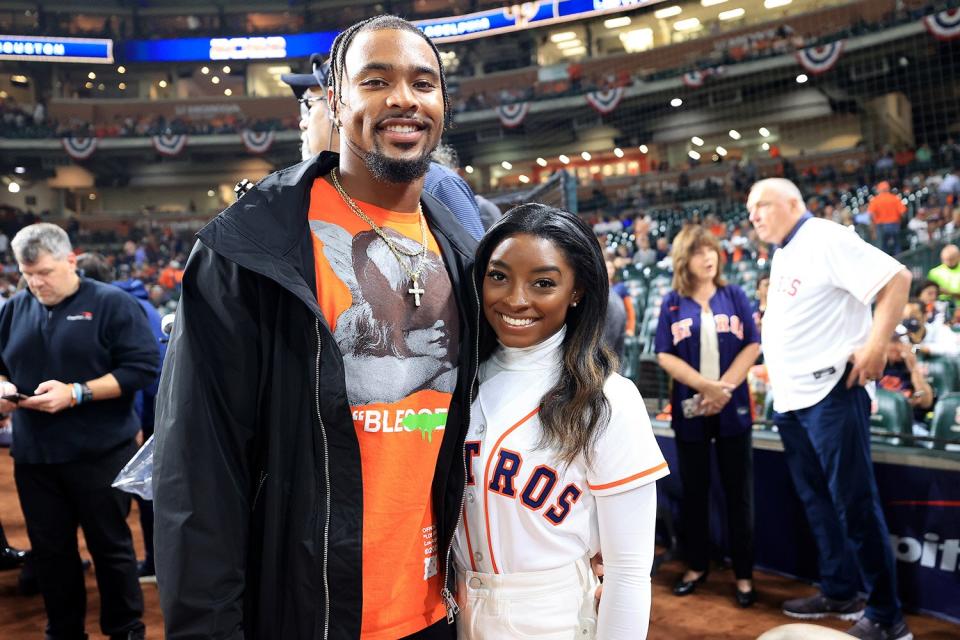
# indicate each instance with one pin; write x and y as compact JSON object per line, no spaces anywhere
{"x":317,"y":134}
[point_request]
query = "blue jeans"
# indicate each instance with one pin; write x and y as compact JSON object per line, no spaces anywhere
{"x":827,"y":449}
{"x":889,"y":236}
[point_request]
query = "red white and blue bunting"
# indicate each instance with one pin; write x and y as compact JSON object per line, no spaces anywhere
{"x":817,"y":60}
{"x":512,"y":115}
{"x":79,"y":148}
{"x":695,"y":79}
{"x":605,"y":101}
{"x":257,"y":141}
{"x":944,"y":25}
{"x":170,"y":144}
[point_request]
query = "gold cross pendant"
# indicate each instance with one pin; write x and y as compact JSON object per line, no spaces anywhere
{"x":416,"y":291}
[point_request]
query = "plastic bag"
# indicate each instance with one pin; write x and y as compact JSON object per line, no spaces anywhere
{"x":137,"y":475}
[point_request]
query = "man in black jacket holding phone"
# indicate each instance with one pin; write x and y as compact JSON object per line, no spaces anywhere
{"x":78,"y":350}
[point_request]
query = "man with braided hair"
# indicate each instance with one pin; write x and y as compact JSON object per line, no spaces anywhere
{"x":311,"y":416}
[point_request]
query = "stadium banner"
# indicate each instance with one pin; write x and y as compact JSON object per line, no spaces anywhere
{"x":43,"y":49}
{"x":257,"y":141}
{"x":519,"y":16}
{"x":512,"y":115}
{"x":299,"y":45}
{"x":170,"y":144}
{"x":921,"y":505}
{"x":817,"y":60}
{"x":80,"y":148}
{"x":604,"y":102}
{"x":515,"y":17}
{"x":944,"y":25}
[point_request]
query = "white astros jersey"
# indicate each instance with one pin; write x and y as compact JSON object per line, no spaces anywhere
{"x":523,"y":510}
{"x":818,"y":310}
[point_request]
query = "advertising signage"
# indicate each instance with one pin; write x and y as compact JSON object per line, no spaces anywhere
{"x":528,"y":15}
{"x":43,"y":49}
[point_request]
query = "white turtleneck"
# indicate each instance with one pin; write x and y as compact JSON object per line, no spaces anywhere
{"x":623,"y":521}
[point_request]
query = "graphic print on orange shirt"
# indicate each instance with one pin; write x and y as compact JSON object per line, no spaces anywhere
{"x":400,"y":366}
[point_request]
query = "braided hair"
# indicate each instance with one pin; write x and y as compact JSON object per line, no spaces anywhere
{"x":338,"y":54}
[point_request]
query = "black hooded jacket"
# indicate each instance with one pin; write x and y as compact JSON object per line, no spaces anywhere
{"x":257,"y":482}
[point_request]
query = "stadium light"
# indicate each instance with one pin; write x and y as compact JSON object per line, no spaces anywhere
{"x":697,"y":140}
{"x":711,"y":3}
{"x":733,"y":133}
{"x":667,"y":12}
{"x":210,"y":193}
{"x":569,"y":44}
{"x":563,"y":35}
{"x":468,"y":169}
{"x":643,"y":148}
{"x":228,"y":91}
{"x":676,"y":102}
{"x":765,"y":146}
{"x":686,"y":25}
{"x":122,"y":86}
{"x":101,"y":86}
{"x":802,"y":78}
{"x":19,"y":169}
{"x":721,"y":151}
{"x":541,"y":162}
{"x":564,"y":159}
{"x":88,"y":85}
{"x":204,"y":70}
{"x":121,"y":69}
{"x":586,"y":156}
{"x":215,"y":79}
{"x":732,"y":14}
{"x":226,"y":69}
{"x":616,"y":23}
{"x":773,"y":4}
{"x":13,"y":187}
{"x":92,"y":75}
{"x":618,"y":152}
{"x":162,"y":84}
{"x":524,"y":179}
{"x":506,"y":165}
{"x":695,"y":155}
{"x":763,"y":131}
{"x":92,"y":196}
{"x":575,"y":51}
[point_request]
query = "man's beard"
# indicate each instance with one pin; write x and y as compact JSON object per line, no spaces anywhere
{"x":396,"y":171}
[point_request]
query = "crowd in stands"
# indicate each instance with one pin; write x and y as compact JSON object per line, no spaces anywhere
{"x":148,"y":251}
{"x":21,"y":122}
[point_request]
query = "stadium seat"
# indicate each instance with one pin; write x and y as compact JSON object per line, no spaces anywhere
{"x":893,"y":414}
{"x":943,"y":375}
{"x":945,"y":423}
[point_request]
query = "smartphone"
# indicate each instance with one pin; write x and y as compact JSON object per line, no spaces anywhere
{"x":17,"y":397}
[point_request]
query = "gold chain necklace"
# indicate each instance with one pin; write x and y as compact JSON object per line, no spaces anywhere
{"x":413,"y":274}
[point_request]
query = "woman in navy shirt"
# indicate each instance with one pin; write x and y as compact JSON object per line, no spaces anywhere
{"x":707,"y":340}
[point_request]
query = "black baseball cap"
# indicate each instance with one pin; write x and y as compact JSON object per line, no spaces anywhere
{"x":300,"y":82}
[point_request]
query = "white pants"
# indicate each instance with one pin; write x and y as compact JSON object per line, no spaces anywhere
{"x":548,"y":605}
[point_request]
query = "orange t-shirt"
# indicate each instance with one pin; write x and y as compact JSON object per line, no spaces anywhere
{"x":400,"y":365}
{"x":886,"y":208}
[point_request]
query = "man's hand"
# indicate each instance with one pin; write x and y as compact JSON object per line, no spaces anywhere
{"x":7,"y":389}
{"x":909,"y":358}
{"x":868,"y":365}
{"x":51,"y":396}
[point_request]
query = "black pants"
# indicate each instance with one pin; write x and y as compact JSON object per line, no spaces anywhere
{"x":437,"y":631}
{"x":55,"y":499}
{"x":735,"y":457}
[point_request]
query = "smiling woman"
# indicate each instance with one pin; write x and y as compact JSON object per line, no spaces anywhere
{"x":558,"y":448}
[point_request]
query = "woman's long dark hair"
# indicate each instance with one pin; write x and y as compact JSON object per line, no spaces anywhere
{"x":575,"y":411}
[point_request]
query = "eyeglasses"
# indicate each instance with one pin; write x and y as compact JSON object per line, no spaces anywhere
{"x":307,"y":103}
